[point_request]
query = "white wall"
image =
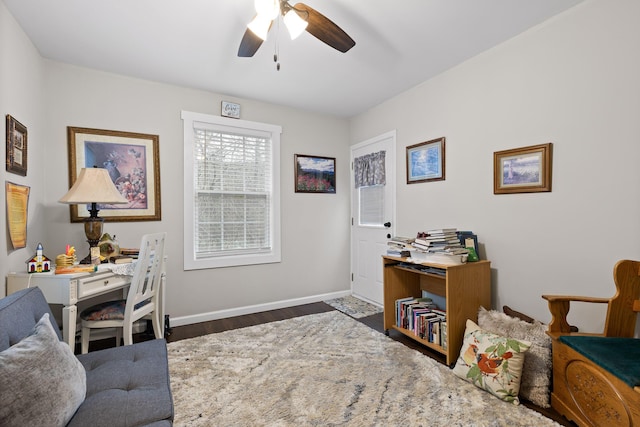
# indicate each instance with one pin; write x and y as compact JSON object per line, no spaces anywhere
{"x":315,"y":244}
{"x":573,"y":81}
{"x":21,"y":88}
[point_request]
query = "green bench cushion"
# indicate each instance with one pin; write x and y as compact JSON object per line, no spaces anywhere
{"x":619,"y":356}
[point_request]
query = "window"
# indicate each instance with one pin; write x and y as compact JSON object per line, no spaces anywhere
{"x":371,"y":205}
{"x":232,"y":192}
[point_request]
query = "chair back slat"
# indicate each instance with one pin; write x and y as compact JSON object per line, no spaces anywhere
{"x":147,"y":277}
{"x":624,"y":306}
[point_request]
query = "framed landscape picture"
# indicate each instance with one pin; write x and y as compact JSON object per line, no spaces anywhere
{"x":315,"y":174}
{"x":133,"y":163}
{"x":425,"y":161}
{"x":522,"y":170}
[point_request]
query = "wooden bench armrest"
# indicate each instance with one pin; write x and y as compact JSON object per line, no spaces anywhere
{"x":559,"y":306}
{"x":553,"y":298}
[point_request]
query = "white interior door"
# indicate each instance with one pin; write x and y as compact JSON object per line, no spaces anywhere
{"x":372,"y":220}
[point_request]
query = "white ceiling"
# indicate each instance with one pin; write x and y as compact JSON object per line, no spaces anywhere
{"x":194,"y":43}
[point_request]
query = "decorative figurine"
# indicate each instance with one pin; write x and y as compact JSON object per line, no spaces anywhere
{"x":39,"y":263}
{"x":109,"y":247}
{"x":68,"y":258}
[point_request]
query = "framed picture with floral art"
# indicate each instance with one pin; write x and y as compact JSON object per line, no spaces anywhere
{"x":133,"y":162}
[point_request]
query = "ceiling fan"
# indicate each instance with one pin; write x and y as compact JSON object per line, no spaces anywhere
{"x":297,"y":19}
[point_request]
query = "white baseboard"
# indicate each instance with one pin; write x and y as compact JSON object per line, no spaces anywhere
{"x":250,"y":309}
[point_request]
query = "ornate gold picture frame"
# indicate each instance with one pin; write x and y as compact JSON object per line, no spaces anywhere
{"x":522,"y":170}
{"x":133,"y":162}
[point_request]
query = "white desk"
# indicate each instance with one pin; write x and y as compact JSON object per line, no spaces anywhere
{"x":68,"y":289}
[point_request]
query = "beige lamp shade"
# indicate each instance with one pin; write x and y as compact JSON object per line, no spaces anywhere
{"x":93,"y":185}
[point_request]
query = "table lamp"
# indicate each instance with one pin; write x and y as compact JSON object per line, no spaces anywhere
{"x":93,"y":186}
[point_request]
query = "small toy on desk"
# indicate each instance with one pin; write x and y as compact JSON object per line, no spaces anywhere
{"x":68,"y":258}
{"x":39,"y":263}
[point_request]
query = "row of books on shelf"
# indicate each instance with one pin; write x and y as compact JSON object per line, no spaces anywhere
{"x":422,"y":317}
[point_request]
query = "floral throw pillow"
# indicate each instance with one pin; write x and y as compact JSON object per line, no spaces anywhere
{"x":536,"y":372}
{"x":492,"y":362}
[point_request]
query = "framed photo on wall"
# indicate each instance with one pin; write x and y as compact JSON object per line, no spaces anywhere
{"x":133,"y":162}
{"x":425,"y":161}
{"x":314,"y":174}
{"x":522,"y":170}
{"x":16,"y":154}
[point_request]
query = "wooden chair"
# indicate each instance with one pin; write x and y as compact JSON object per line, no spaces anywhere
{"x":142,"y":301}
{"x":596,"y":377}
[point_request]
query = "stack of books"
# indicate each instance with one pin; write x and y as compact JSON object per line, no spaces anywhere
{"x":120,"y":259}
{"x":399,"y":246}
{"x":441,"y":246}
{"x":130,"y":252}
{"x":442,"y":241}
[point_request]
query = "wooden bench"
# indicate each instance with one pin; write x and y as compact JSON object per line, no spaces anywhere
{"x":596,"y":377}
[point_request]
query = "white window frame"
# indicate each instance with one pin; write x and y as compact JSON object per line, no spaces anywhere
{"x":190,"y":119}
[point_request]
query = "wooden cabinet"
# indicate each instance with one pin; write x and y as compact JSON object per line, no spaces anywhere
{"x":464,"y":287}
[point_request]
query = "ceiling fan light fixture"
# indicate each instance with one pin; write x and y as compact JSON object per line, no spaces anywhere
{"x":260,"y":26}
{"x":268,"y":8}
{"x":295,"y":24}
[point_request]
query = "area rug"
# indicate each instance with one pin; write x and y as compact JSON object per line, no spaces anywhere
{"x":324,"y":369}
{"x":354,"y":307}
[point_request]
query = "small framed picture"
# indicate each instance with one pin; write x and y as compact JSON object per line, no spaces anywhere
{"x":522,"y":170}
{"x":315,"y":174}
{"x":229,"y":109}
{"x":16,"y":154}
{"x":425,"y":161}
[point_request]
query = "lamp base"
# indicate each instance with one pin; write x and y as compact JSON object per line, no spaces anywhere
{"x":93,"y":231}
{"x":93,"y":257}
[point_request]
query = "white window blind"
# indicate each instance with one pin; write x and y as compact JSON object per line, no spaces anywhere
{"x":371,"y":205}
{"x":235,"y":217}
{"x":233,"y":186}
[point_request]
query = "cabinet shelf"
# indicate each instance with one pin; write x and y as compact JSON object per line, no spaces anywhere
{"x":422,"y":341}
{"x":464,"y":287}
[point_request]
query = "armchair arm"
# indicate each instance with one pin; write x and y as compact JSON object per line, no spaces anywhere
{"x":559,"y":306}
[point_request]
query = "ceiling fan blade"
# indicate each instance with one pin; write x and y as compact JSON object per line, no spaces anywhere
{"x":324,"y":29}
{"x":249,"y":44}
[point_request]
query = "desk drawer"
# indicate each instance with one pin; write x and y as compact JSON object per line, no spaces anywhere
{"x":99,"y":284}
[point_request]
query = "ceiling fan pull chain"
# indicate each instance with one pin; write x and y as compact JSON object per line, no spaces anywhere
{"x":275,"y":59}
{"x":277,"y":46}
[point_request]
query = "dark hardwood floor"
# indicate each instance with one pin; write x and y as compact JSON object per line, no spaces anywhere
{"x":189,"y":331}
{"x":375,"y":322}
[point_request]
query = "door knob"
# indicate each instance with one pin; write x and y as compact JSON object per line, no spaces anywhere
{"x":387,"y":224}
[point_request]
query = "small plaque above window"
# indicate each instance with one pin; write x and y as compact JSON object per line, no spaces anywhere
{"x":229,"y":109}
